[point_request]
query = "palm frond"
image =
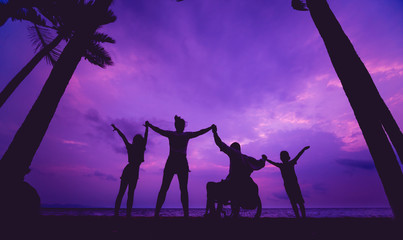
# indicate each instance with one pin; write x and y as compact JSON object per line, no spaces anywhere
{"x":39,"y":36}
{"x":50,"y":9}
{"x":3,"y":13}
{"x":102,"y":38}
{"x":42,"y":37}
{"x":109,"y":17}
{"x":97,"y":55}
{"x":28,"y":14}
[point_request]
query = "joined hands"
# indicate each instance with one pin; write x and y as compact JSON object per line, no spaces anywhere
{"x":214,"y":128}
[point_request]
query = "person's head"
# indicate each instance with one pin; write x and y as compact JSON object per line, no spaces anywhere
{"x":138,"y":139}
{"x":284,"y":156}
{"x":179,"y":124}
{"x":236,"y":146}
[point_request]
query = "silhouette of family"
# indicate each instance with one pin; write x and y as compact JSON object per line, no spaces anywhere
{"x":237,"y":190}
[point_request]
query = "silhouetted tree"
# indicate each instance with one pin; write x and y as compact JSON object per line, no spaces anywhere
{"x":46,"y":49}
{"x":85,"y":19}
{"x":22,"y":10}
{"x":371,"y":112}
{"x":56,"y":12}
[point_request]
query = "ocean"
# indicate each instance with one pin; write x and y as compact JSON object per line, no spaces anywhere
{"x":199,"y":212}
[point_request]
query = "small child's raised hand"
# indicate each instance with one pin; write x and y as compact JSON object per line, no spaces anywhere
{"x":299,"y":5}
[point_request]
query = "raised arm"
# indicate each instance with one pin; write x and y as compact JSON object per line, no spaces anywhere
{"x":200,"y":132}
{"x":120,"y":134}
{"x":146,"y":134}
{"x":294,"y":161}
{"x":223,"y":147}
{"x":158,"y":130}
{"x":299,"y":5}
{"x":264,"y":157}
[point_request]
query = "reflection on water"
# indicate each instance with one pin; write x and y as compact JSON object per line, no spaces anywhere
{"x":199,"y":212}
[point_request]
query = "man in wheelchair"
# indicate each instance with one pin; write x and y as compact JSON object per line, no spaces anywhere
{"x":238,"y":189}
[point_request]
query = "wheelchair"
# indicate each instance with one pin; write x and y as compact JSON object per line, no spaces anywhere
{"x":239,"y":194}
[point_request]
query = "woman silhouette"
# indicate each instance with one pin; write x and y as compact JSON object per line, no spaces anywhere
{"x":176,"y":162}
{"x":130,"y":175}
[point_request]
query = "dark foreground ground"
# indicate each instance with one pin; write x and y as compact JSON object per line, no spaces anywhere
{"x":99,"y":227}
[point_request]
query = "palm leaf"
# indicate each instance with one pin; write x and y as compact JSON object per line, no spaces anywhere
{"x":28,"y":14}
{"x":109,"y":17}
{"x":97,"y":55}
{"x":41,"y":37}
{"x":102,"y":38}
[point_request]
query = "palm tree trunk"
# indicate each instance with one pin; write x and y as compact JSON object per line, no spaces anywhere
{"x":371,"y":112}
{"x":17,"y":159}
{"x":14,"y":164}
{"x":21,"y":75}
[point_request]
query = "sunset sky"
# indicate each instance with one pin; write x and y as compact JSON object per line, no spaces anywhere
{"x":257,"y":69}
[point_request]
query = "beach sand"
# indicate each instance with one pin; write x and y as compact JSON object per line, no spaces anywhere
{"x":105,"y":227}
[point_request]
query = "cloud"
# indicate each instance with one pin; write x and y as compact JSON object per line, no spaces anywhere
{"x":319,"y":188}
{"x":280,"y":195}
{"x":360,"y":164}
{"x":103,"y":176}
{"x":102,"y":130}
{"x":72,"y":142}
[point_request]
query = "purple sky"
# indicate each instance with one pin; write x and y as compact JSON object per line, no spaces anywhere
{"x":257,"y":69}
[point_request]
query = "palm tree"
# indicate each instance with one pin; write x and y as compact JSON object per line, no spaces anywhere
{"x":55,"y":12}
{"x":22,"y":10}
{"x":46,"y":50}
{"x":371,"y":112}
{"x":85,"y":19}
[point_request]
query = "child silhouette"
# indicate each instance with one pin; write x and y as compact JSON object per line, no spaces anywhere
{"x":290,"y":180}
{"x":130,"y":175}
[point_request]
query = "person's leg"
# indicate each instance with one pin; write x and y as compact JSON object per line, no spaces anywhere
{"x":122,"y":190}
{"x":166,"y":181}
{"x":130,"y":195}
{"x":235,"y":208}
{"x":183,"y":185}
{"x":302,"y":208}
{"x":234,"y":193}
{"x":210,"y":208}
{"x":259,"y":208}
{"x":219,"y":209}
{"x":295,"y":208}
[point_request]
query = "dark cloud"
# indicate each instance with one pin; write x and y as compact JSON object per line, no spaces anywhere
{"x":280,"y":195}
{"x":102,"y":176}
{"x":92,"y":115}
{"x":103,"y":130}
{"x":319,"y":187}
{"x":361,"y":164}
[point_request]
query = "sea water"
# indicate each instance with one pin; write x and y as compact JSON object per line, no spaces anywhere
{"x":199,"y":212}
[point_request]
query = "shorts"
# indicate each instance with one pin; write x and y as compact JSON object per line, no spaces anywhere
{"x":130,"y":173}
{"x":177,"y":163}
{"x":294,"y":193}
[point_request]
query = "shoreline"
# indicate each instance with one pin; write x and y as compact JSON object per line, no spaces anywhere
{"x":108,"y":227}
